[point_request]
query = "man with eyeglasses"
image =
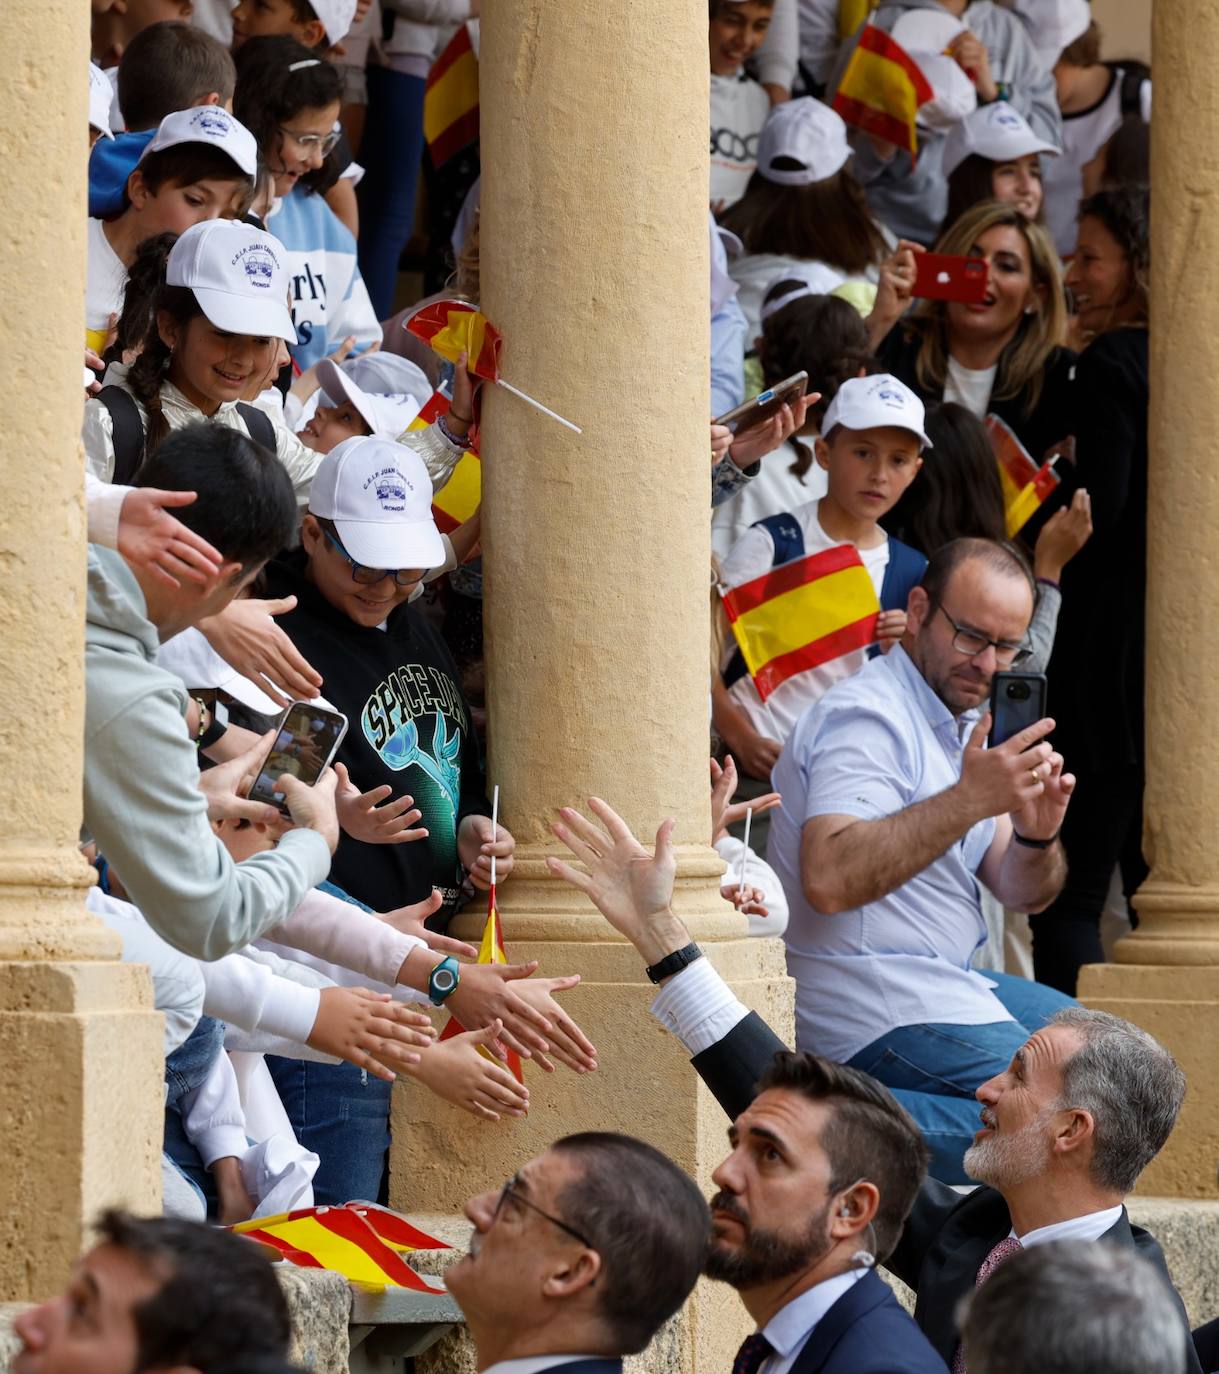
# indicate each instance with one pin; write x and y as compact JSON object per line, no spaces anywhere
{"x":580,"y":1258}
{"x":893,"y":812}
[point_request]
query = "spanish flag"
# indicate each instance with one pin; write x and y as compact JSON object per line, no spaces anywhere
{"x":852,"y":13}
{"x":459,"y":498}
{"x":1025,"y":485}
{"x":803,"y":614}
{"x":452,"y":328}
{"x":491,"y":951}
{"x":363,"y":1242}
{"x":450,"y":99}
{"x":882,"y":89}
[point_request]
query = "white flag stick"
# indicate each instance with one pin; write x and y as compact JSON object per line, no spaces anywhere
{"x":740,"y":882}
{"x":494,"y":825}
{"x":537,"y":405}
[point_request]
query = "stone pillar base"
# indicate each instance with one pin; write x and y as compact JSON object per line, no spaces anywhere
{"x":81,"y":1093}
{"x":1180,"y":1007}
{"x":645,"y":1086}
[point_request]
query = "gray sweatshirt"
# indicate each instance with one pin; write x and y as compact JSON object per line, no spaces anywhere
{"x":142,"y":802}
{"x":913,"y":201}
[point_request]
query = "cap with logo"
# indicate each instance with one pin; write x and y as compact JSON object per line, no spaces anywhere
{"x":379,"y":496}
{"x":384,"y":392}
{"x":207,"y":124}
{"x":101,"y":97}
{"x":806,"y":132}
{"x":876,"y":403}
{"x":994,"y":131}
{"x":336,"y":17}
{"x":238,"y":274}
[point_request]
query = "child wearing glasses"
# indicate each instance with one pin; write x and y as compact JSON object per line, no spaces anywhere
{"x":289,"y":99}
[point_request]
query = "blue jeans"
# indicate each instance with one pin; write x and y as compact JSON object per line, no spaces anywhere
{"x":341,"y":1113}
{"x":391,"y":153}
{"x":185,"y":1070}
{"x":935,"y":1069}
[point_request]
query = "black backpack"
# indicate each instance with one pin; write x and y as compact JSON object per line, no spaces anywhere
{"x":1134,"y":73}
{"x":128,"y":430}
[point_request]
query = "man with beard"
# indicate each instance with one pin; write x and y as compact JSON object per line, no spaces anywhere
{"x":893,"y":812}
{"x":580,"y":1257}
{"x":1068,"y":1126}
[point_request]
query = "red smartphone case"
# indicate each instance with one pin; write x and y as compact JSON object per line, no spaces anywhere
{"x":948,"y":277}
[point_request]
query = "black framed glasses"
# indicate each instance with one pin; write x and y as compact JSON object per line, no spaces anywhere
{"x":508,"y":1191}
{"x":309,"y":143}
{"x":971,"y":643}
{"x":369,"y":577}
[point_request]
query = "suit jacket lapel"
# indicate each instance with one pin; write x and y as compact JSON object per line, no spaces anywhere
{"x":854,"y":1304}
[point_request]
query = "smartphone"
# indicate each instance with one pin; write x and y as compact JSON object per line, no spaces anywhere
{"x":308,"y":739}
{"x":949,"y":277}
{"x":1017,"y":700}
{"x":766,"y":404}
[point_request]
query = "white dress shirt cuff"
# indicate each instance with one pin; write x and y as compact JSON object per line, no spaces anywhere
{"x":698,"y":1007}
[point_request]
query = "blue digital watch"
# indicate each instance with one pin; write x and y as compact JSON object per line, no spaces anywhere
{"x":443,"y":981}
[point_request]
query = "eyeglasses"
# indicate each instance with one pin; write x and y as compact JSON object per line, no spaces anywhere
{"x":971,"y":643}
{"x":369,"y":577}
{"x":311,"y":143}
{"x":509,"y":1191}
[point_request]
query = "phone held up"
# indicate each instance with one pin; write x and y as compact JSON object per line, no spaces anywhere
{"x":950,"y":277}
{"x":308,"y":739}
{"x":766,"y":404}
{"x":1017,"y":700}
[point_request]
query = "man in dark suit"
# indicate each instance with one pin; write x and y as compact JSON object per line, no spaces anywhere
{"x":1085,"y":1105}
{"x":580,"y":1257}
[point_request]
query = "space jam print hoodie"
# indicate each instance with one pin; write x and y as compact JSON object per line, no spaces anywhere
{"x":409,"y":728}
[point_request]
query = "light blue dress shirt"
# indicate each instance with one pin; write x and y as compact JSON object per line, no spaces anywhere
{"x":872,"y":746}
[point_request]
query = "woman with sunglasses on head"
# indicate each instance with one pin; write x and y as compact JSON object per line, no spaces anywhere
{"x":290,"y":100}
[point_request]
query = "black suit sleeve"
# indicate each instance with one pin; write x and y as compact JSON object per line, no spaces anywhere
{"x":731,"y":1067}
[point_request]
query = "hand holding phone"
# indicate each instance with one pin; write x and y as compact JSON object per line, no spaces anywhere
{"x":951,"y":277}
{"x":307,"y":740}
{"x":766,"y":404}
{"x":1017,"y":700}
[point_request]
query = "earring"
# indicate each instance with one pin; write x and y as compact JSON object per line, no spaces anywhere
{"x":1029,"y":310}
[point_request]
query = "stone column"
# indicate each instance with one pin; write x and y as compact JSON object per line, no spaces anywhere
{"x":80,"y":1048}
{"x":1166,"y":976}
{"x":597,"y":548}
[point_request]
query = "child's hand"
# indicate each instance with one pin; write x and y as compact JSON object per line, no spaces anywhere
{"x":751,"y":445}
{"x":364,"y":818}
{"x":234,"y":1204}
{"x":152,"y":539}
{"x":890,"y":626}
{"x":461,"y":413}
{"x":248,"y":639}
{"x":721,"y":442}
{"x":568,"y":1043}
{"x":749,"y":901}
{"x":410,"y":920}
{"x":726,"y":812}
{"x":307,"y":383}
{"x":370,"y":1030}
{"x":455,"y":1070}
{"x":1062,"y":536}
{"x":756,"y":754}
{"x":477,"y":840}
{"x":225,"y":787}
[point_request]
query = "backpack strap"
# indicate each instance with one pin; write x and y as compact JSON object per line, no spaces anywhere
{"x":903,"y":571}
{"x":259,"y":425}
{"x":788,"y":540}
{"x":1134,"y":73}
{"x":127,"y":432}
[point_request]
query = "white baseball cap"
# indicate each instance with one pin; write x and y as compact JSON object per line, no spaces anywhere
{"x":238,"y":274}
{"x":1054,"y":24}
{"x":101,"y":97}
{"x":207,"y":124}
{"x":379,"y":495}
{"x":875,"y":403}
{"x":954,"y":95}
{"x":192,"y":658}
{"x":807,"y":132}
{"x":336,"y":17}
{"x":995,"y":131}
{"x":386,"y":412}
{"x":929,"y":30}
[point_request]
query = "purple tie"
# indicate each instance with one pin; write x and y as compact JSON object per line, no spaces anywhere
{"x":754,"y":1352}
{"x":1006,"y":1248}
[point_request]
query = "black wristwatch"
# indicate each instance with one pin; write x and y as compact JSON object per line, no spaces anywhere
{"x":674,"y":963}
{"x":1033,"y":844}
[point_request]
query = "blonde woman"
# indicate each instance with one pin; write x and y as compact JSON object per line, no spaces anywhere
{"x":1002,"y":355}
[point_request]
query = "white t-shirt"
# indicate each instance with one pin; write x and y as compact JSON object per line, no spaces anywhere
{"x":970,"y":387}
{"x":774,"y":490}
{"x":750,"y":557}
{"x":104,"y":286}
{"x":739,"y":107}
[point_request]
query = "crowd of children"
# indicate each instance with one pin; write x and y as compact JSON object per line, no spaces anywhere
{"x":264,"y":441}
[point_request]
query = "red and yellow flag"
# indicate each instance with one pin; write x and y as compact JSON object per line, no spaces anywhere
{"x":450,"y":99}
{"x":491,"y":951}
{"x":803,"y":614}
{"x":361,"y":1241}
{"x":459,"y":498}
{"x":1025,"y":485}
{"x":882,"y":89}
{"x":452,"y":328}
{"x":852,"y":13}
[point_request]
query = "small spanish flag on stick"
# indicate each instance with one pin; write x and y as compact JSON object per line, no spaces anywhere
{"x":491,"y":951}
{"x":803,"y":614}
{"x":363,"y":1242}
{"x":450,"y":99}
{"x":882,"y":89}
{"x":458,"y":499}
{"x":452,"y":328}
{"x":1026,"y":487}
